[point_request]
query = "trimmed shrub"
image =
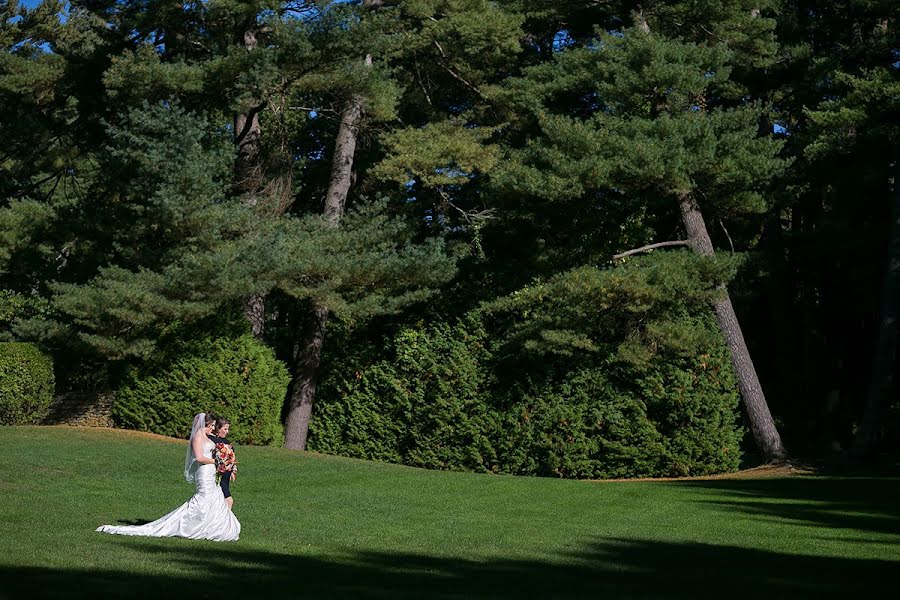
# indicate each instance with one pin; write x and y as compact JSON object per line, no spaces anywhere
{"x":432,"y":403}
{"x":236,"y":377}
{"x":597,"y":373}
{"x":630,"y":367}
{"x":693,"y":403}
{"x":583,"y":427}
{"x":359,"y":418}
{"x":676,"y":418}
{"x":424,"y":406}
{"x":26,"y":384}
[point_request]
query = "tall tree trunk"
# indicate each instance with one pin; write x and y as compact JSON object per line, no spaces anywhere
{"x":255,"y":312}
{"x":342,"y":163}
{"x":306,"y":365}
{"x":766,"y":435}
{"x":247,"y":165}
{"x":247,"y":131}
{"x":305,"y":378}
{"x":248,"y":171}
{"x":884,"y":357}
{"x":763,"y":427}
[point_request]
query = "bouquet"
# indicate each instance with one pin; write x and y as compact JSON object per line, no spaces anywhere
{"x":223,"y":454}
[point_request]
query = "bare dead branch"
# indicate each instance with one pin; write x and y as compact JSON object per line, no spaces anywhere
{"x":419,"y":80}
{"x":462,"y":80}
{"x":731,"y":243}
{"x":471,"y":216}
{"x":649,"y":247}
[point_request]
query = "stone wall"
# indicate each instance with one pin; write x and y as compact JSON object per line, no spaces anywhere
{"x":84,"y":409}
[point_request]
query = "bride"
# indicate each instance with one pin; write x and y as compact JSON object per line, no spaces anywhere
{"x":206,"y":515}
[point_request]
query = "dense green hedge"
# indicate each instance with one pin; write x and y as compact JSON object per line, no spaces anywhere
{"x":236,"y":377}
{"x":599,"y":373}
{"x":431,"y":403}
{"x":26,"y":384}
{"x":693,"y":403}
{"x":582,"y":427}
{"x":424,"y":407}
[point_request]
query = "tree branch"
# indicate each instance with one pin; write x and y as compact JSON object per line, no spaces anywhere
{"x":459,"y":78}
{"x":651,"y":247}
{"x":730,"y":243}
{"x":419,"y":79}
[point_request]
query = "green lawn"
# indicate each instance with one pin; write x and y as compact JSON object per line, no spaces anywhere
{"x":321,"y":527}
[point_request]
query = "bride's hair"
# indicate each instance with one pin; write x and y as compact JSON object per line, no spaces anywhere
{"x":211,"y":418}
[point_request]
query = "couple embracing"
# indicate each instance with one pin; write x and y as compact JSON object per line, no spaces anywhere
{"x":207,"y":515}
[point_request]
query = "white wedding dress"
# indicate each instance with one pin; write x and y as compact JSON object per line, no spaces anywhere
{"x":205,"y":516}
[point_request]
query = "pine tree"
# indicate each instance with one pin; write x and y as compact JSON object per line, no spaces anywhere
{"x":306,"y":365}
{"x":446,"y":32}
{"x":655,"y":124}
{"x":161,"y":230}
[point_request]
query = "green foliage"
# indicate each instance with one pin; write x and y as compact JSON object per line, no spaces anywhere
{"x":35,"y":108}
{"x":365,"y":268}
{"x":439,"y":401}
{"x":674,"y":418}
{"x":581,"y":426}
{"x":642,"y":124}
{"x":425,"y":406}
{"x":371,"y":265}
{"x":15,"y":306}
{"x":547,"y":136}
{"x":628,"y":373}
{"x":632,"y":310}
{"x":693,"y":405}
{"x":140,"y":75}
{"x":236,"y":377}
{"x":866,"y":114}
{"x":595,"y":374}
{"x":26,"y":384}
{"x":163,"y":173}
{"x":21,"y":222}
{"x":439,"y":154}
{"x":190,"y":247}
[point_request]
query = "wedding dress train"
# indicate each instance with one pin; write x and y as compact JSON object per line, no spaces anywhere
{"x":205,"y":516}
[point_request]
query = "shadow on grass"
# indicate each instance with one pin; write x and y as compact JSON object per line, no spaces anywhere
{"x":134,"y":521}
{"x":607,"y":568}
{"x":868,"y":504}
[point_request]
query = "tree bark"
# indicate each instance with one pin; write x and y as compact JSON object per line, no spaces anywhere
{"x":342,"y":164}
{"x":255,"y":313}
{"x":640,"y":20}
{"x":883,"y":360}
{"x":306,"y":365}
{"x":248,"y":171}
{"x":247,"y":167}
{"x":762,"y":425}
{"x":248,"y":133}
{"x":305,"y":378}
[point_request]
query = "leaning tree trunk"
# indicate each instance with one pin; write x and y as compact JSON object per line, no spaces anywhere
{"x":764,"y":431}
{"x":881,"y":382}
{"x":248,"y":171}
{"x":306,"y":364}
